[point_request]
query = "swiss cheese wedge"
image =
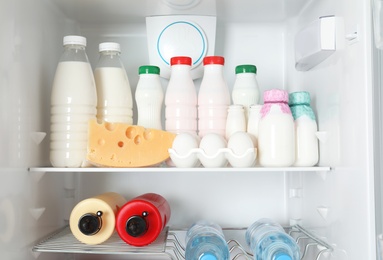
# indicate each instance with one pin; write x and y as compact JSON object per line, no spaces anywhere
{"x":124,"y":145}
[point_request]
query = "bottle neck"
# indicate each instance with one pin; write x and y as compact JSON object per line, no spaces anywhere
{"x":180,"y":70}
{"x":110,"y":59}
{"x":74,"y":52}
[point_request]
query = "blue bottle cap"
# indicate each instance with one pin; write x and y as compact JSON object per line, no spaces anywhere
{"x":282,"y":256}
{"x":209,"y":256}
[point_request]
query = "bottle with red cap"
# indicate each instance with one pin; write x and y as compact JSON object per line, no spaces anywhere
{"x":213,"y":98}
{"x":181,"y":98}
{"x":140,"y":221}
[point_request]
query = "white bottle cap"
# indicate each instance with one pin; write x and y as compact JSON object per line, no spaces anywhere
{"x":109,"y":46}
{"x":74,"y":39}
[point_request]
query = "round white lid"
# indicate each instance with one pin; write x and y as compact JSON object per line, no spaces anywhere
{"x":109,"y":46}
{"x":74,"y":39}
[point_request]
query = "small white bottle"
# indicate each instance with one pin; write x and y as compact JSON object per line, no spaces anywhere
{"x":306,"y":142}
{"x":246,"y":89}
{"x":149,"y":97}
{"x":73,"y":103}
{"x":253,"y":122}
{"x":115,"y":103}
{"x":276,"y":136}
{"x":181,"y":98}
{"x":236,"y":120}
{"x":213,"y":98}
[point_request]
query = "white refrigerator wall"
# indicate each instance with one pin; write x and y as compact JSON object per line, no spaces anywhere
{"x":339,"y":204}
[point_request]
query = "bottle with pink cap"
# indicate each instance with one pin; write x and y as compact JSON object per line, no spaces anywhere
{"x":276,"y":134}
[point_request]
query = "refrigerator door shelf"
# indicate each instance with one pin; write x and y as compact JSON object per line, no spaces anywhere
{"x":315,"y":43}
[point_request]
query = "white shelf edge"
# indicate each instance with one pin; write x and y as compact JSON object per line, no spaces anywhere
{"x":174,"y":169}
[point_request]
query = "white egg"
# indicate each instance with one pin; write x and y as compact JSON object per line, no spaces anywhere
{"x":212,"y":151}
{"x":183,"y":152}
{"x":241,"y":150}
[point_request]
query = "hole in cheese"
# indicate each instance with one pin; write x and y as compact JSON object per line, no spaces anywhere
{"x":137,"y":139}
{"x":109,"y":126}
{"x":148,"y":135}
{"x":120,"y":144}
{"x":101,"y":141}
{"x":130,"y":132}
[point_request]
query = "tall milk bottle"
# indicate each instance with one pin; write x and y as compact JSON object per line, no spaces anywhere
{"x":73,"y":103}
{"x":276,"y":133}
{"x":181,"y":98}
{"x":213,"y":98}
{"x":245,"y":90}
{"x":149,"y":97}
{"x":306,"y":142}
{"x":115,"y":103}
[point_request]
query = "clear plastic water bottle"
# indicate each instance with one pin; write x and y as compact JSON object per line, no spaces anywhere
{"x":114,"y":94}
{"x":268,"y":241}
{"x":205,"y":241}
{"x":73,"y":103}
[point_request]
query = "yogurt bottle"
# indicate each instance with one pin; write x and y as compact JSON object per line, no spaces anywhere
{"x":149,"y":97}
{"x":276,"y":133}
{"x":115,"y":101}
{"x":306,"y":142}
{"x":73,"y":104}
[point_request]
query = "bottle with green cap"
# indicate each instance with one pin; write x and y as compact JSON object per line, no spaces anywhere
{"x":205,"y":241}
{"x":246,"y":89}
{"x":269,"y":241}
{"x":306,"y":142}
{"x":149,"y":97}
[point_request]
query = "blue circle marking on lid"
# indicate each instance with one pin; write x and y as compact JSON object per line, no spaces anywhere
{"x":187,"y":23}
{"x":209,"y":256}
{"x":282,"y":256}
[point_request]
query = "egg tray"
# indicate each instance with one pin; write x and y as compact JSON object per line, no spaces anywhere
{"x":221,"y":158}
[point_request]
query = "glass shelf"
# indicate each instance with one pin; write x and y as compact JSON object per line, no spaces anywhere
{"x":174,"y":169}
{"x":170,"y":245}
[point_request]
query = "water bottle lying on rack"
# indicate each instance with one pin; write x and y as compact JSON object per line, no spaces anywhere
{"x":269,"y":241}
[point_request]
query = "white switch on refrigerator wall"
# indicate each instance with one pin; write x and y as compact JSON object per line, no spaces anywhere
{"x":315,"y":43}
{"x":180,"y":35}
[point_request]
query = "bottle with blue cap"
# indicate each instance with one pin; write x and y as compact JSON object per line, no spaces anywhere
{"x":205,"y":241}
{"x":306,"y":142}
{"x":268,"y":241}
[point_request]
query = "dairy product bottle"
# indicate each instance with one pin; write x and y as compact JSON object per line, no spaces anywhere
{"x":306,"y":142}
{"x":149,"y":97}
{"x":236,"y":120}
{"x":276,"y":133}
{"x":113,"y":89}
{"x":253,"y":123}
{"x":73,"y":103}
{"x":205,"y":241}
{"x":246,"y":89}
{"x":92,"y":221}
{"x":140,"y":221}
{"x":181,"y":98}
{"x":213,"y":98}
{"x":268,"y":241}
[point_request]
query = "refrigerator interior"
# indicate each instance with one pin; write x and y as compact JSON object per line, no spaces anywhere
{"x":337,"y":204}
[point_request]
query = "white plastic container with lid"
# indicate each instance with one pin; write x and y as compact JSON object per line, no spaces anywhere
{"x":246,"y":89}
{"x":306,"y":142}
{"x":236,"y":120}
{"x":213,"y":98}
{"x":276,"y":135}
{"x":93,"y":220}
{"x":73,"y":103}
{"x":114,"y":94}
{"x":149,"y":97}
{"x":181,"y":98}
